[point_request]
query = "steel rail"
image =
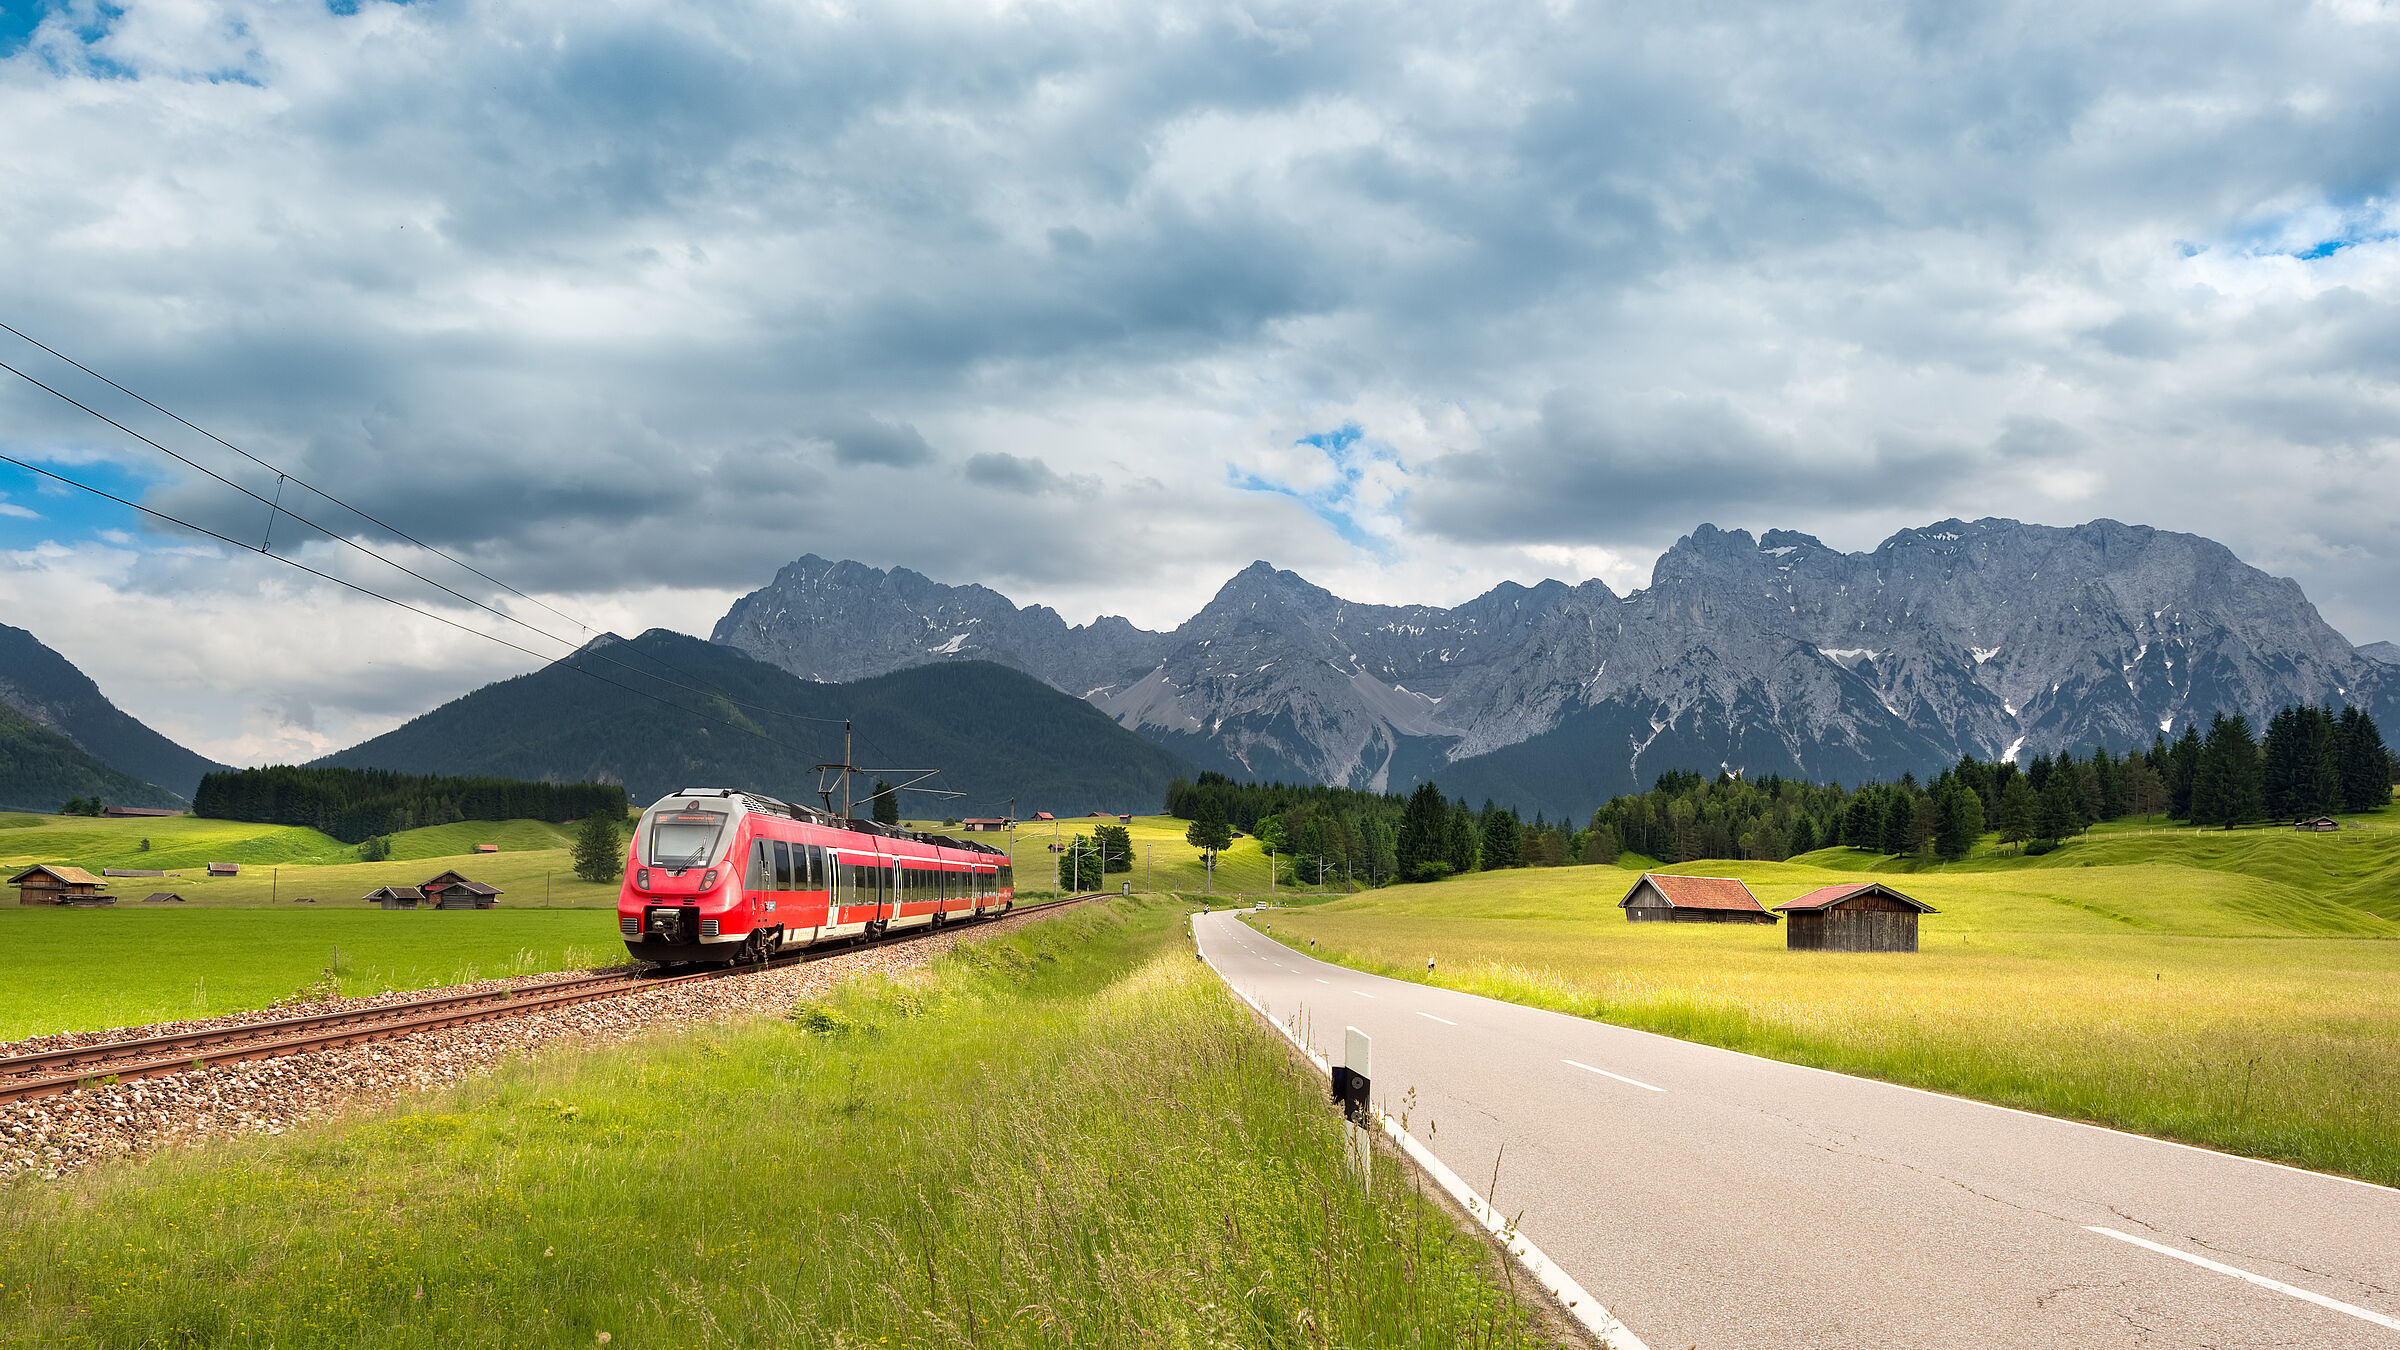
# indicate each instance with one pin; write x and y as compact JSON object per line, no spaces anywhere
{"x":24,"y":1077}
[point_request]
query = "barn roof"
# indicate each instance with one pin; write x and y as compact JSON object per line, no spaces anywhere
{"x":1826,"y":897}
{"x":394,"y":893}
{"x":72,"y":876}
{"x":1698,"y":892}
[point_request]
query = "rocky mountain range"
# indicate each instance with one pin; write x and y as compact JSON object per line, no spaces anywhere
{"x":1775,"y":654}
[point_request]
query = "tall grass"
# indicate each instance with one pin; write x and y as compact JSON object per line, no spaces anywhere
{"x":2068,"y":993}
{"x":1070,"y":1137}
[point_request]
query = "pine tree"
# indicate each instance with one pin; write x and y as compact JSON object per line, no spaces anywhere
{"x":599,"y":849}
{"x":2185,"y":774}
{"x":1804,"y":834}
{"x":2229,"y":785}
{"x":2020,"y":810}
{"x":1424,"y":843}
{"x":1899,"y":815}
{"x":1957,"y":819}
{"x":1862,"y":824}
{"x":1503,"y":840}
{"x":2108,"y":775}
{"x":1460,"y":842}
{"x":2365,"y":765}
{"x":1208,"y":831}
{"x":887,"y":804}
{"x":2062,"y":807}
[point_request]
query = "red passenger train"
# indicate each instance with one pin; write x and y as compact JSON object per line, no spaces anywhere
{"x":720,"y":875}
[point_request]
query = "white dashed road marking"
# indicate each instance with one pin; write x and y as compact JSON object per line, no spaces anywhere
{"x":1443,"y":1020}
{"x":2261,"y":1281}
{"x":1606,"y":1074}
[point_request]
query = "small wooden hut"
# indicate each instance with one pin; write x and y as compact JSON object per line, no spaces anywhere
{"x":162,"y":898}
{"x":2319,"y":825}
{"x":1860,"y":917}
{"x":452,"y":891}
{"x":1660,"y":897}
{"x":396,"y":897}
{"x":224,"y":869}
{"x":49,"y":884}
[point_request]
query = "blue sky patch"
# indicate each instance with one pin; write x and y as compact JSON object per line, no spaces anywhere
{"x":65,"y":515}
{"x":18,"y":19}
{"x":1335,"y":503}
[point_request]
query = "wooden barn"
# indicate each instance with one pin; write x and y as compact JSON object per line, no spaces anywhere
{"x":1859,"y":917}
{"x":162,"y":898}
{"x":47,"y":884}
{"x":984,"y":824}
{"x":224,"y":869}
{"x":2319,"y":825}
{"x":396,"y":897}
{"x":452,"y":891}
{"x":1659,"y":897}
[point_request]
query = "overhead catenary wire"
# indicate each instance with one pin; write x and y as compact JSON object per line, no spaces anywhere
{"x":276,"y":508}
{"x":372,"y":593}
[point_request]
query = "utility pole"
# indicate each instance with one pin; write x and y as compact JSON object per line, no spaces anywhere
{"x":846,"y":763}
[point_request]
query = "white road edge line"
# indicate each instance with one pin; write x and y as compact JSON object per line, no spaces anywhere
{"x":1903,"y":1087}
{"x":1443,"y":1020}
{"x":2261,"y":1281}
{"x":1606,"y":1074}
{"x":1578,"y":1301}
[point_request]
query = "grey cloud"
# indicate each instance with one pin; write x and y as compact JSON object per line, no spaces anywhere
{"x":574,"y":289}
{"x":865,"y":440}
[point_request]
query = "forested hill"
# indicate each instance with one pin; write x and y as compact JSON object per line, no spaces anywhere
{"x":51,"y":691}
{"x":41,"y":770}
{"x":669,"y":711}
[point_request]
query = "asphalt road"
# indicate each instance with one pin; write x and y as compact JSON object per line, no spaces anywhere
{"x":1716,"y":1199}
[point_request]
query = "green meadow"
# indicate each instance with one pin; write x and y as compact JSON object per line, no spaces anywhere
{"x":243,"y":942}
{"x":82,"y":969}
{"x":2234,"y":989}
{"x":1070,"y":1136}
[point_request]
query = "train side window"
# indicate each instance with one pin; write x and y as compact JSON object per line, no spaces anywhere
{"x":757,"y":880}
{"x":815,"y":858}
{"x":783,"y":865}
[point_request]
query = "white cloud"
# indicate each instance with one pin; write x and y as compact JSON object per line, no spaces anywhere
{"x":632,"y":303}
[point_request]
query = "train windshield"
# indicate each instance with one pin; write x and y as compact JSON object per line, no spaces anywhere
{"x":684,"y":838}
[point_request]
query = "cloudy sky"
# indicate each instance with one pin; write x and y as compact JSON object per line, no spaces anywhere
{"x":628,"y":303}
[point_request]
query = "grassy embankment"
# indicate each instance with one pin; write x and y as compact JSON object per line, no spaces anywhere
{"x":1071,"y":1136}
{"x":2238,"y":990}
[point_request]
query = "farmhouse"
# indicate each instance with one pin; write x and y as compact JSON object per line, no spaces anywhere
{"x":452,"y":891}
{"x":1859,"y":917}
{"x":396,"y":897}
{"x":1661,"y":898}
{"x":2320,"y":825}
{"x":59,"y":885}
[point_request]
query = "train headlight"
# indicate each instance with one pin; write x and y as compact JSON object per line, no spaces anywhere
{"x":708,"y":880}
{"x":641,"y":878}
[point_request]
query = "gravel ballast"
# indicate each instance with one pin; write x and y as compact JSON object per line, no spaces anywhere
{"x":51,"y":1136}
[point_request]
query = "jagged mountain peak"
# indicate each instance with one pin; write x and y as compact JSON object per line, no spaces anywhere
{"x":1777,"y":654}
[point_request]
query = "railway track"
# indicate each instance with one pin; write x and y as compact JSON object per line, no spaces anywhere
{"x":52,"y":1072}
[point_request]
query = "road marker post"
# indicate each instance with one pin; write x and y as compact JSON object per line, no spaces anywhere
{"x":1351,"y":1083}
